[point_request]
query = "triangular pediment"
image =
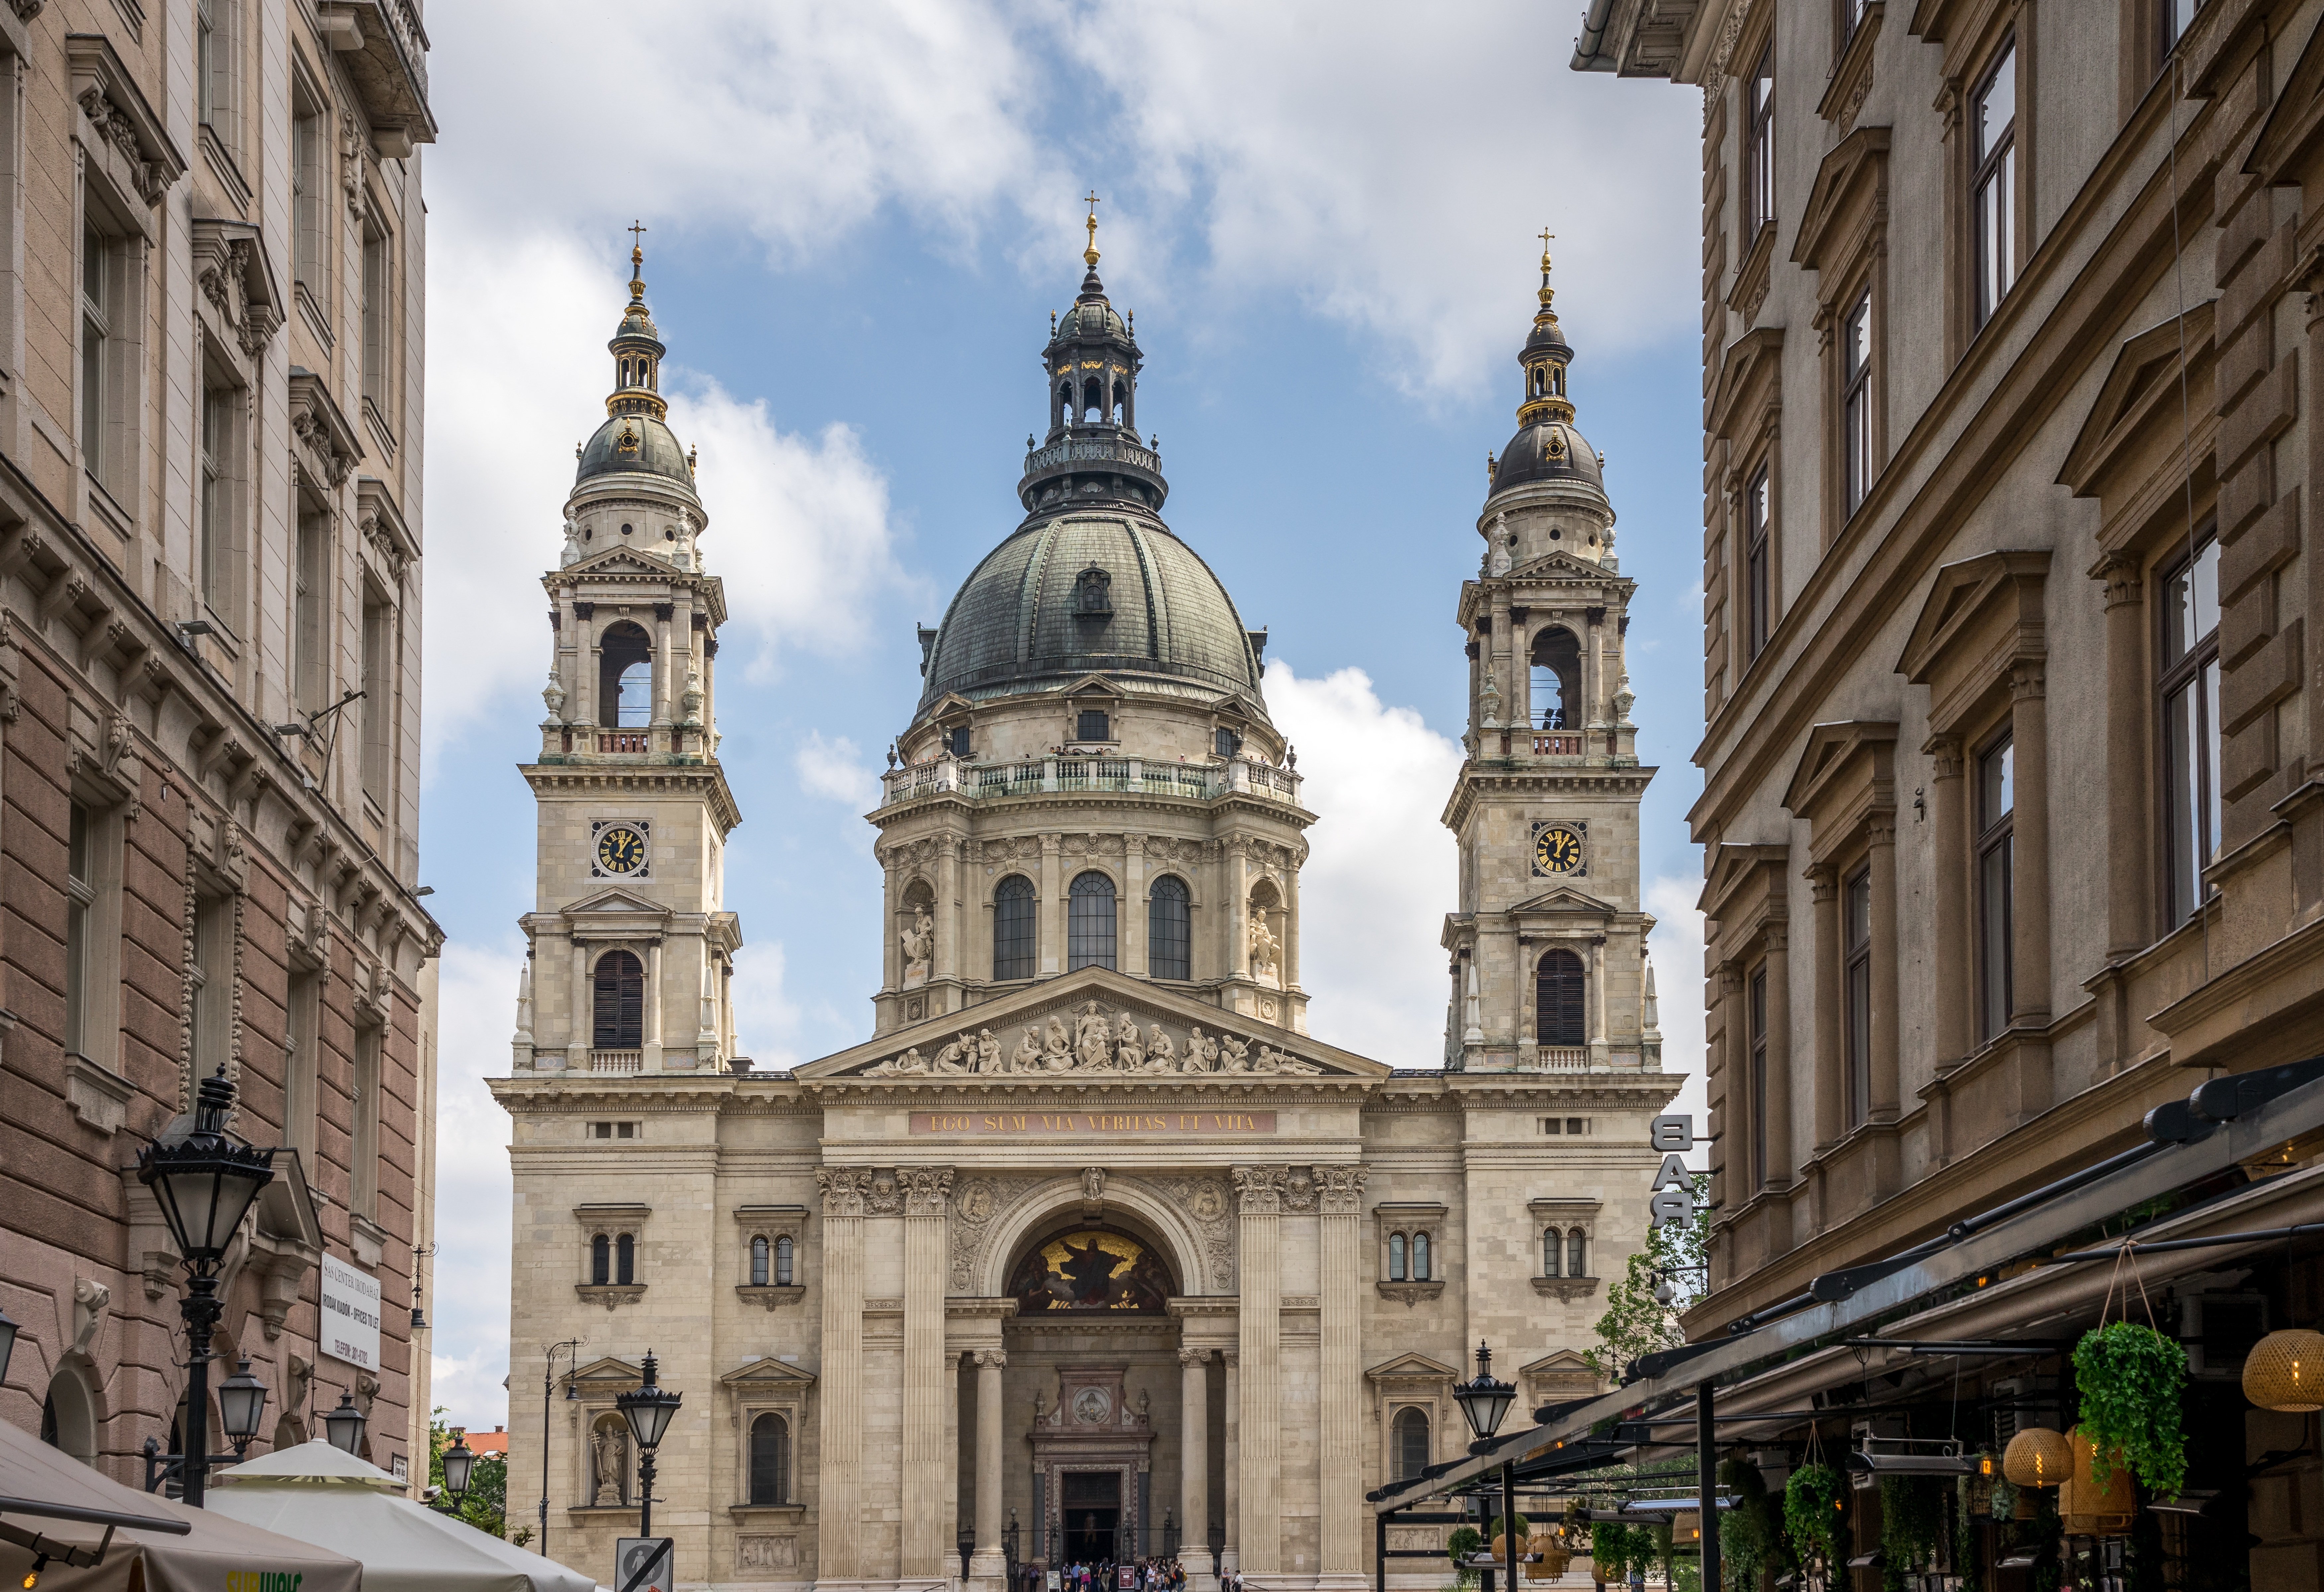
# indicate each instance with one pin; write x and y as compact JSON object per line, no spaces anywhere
{"x":616,"y":899}
{"x":1563,"y":899}
{"x":1559,"y":1360}
{"x":1046,"y":1035}
{"x":1415,"y":1366}
{"x":768,"y":1372}
{"x":1093,"y":685}
{"x":609,"y":1369}
{"x":618,"y":560}
{"x":1559,"y":564}
{"x":1733,"y":863}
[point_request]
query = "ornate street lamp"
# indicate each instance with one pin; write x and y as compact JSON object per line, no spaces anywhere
{"x":964,"y":1540}
{"x":1218,"y":1547}
{"x":345,"y":1426}
{"x":648,"y":1409}
{"x":1484,"y":1399}
{"x":459,"y":1465}
{"x":203,"y":1184}
{"x":242,"y":1407}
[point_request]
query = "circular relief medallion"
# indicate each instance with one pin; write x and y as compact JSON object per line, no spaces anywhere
{"x":621,"y":849}
{"x":1091,"y":1406}
{"x":975,"y":1202}
{"x":1208,"y":1204}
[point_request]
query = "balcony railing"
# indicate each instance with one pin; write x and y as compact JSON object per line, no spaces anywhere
{"x":1128,"y":776}
{"x":1093,"y":450}
{"x":625,"y":740}
{"x":1565,"y":1058}
{"x":1557,"y":746}
{"x":616,"y":1061}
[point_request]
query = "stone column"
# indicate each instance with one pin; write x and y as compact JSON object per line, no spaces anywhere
{"x":2127,"y":771}
{"x":668,"y":680}
{"x":2029,"y":895}
{"x":1129,"y":912}
{"x":1881,"y":828}
{"x":1053,"y":908}
{"x":928,"y":1457}
{"x":1728,"y":1096}
{"x":1194,"y":1460}
{"x":990,"y":1560}
{"x":1830,"y":1067}
{"x":1341,"y":1483}
{"x":650,"y":1033}
{"x":840,"y":1395}
{"x":1505,"y":670}
{"x":580,"y":1022}
{"x":1598,"y":1054}
{"x":1776,"y":937}
{"x":583,"y":707}
{"x":1290,"y":952}
{"x":948,"y":913}
{"x":1259,"y":1190}
{"x":1230,"y":1456}
{"x":1954,"y":987}
{"x":891,"y":953}
{"x":1238,"y":907}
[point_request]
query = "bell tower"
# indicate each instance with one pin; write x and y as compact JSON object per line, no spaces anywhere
{"x":630,"y":964}
{"x":1548,"y":946}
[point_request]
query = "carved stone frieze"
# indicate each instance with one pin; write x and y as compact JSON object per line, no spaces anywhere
{"x":1210,"y":1204}
{"x":884,"y":1195}
{"x":975,"y":1204}
{"x":1090,"y":1039}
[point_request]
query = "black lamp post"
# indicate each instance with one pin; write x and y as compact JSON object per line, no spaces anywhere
{"x":1484,"y":1401}
{"x":1170,"y":1534}
{"x":648,"y":1409}
{"x":570,"y":1348}
{"x":459,"y":1465}
{"x":203,"y":1184}
{"x":345,"y":1426}
{"x":964,"y":1540}
{"x":1218,"y":1547}
{"x":1012,"y":1537}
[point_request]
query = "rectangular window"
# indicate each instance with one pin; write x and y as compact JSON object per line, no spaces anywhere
{"x":1996,"y":883}
{"x":2176,"y":17}
{"x":1091,"y":724}
{"x":1759,"y":146}
{"x":1756,"y":575}
{"x":303,"y":1065}
{"x":2190,"y":728}
{"x":1756,"y":1083}
{"x":216,"y":504}
{"x":379,"y":697}
{"x":1993,"y":182}
{"x":1856,"y":402}
{"x":378,"y":306}
{"x":96,"y":319}
{"x":80,"y":895}
{"x":311,"y":204}
{"x":362,"y":1152}
{"x":217,"y":38}
{"x":1852,"y":17}
{"x":310,"y":602}
{"x":211,"y":972}
{"x":1856,"y":965}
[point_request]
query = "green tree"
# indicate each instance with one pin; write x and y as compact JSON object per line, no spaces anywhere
{"x":486,"y":1506}
{"x":1636,"y":1322}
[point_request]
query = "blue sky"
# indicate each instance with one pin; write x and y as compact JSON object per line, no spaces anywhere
{"x":860,"y":215}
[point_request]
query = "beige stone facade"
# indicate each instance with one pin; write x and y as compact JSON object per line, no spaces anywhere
{"x":212,"y":247}
{"x":1091,"y":1248}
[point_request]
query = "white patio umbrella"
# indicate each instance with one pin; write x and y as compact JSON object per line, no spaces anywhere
{"x":317,"y":1493}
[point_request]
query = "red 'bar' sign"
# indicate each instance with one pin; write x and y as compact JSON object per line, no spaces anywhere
{"x":1086,"y":1124}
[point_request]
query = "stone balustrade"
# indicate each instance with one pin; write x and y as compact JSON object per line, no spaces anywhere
{"x":1071,"y":773}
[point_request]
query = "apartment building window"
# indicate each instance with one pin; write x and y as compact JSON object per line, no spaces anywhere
{"x":363,"y":1104}
{"x":302,"y":1064}
{"x":210,"y":971}
{"x":1169,"y":938}
{"x":215,"y":57}
{"x":99,"y":310}
{"x":1996,"y":883}
{"x":1852,"y":17}
{"x":217,"y":505}
{"x":1856,"y":986}
{"x":2190,"y":727}
{"x":1993,"y":182}
{"x":2176,"y":17}
{"x":80,"y":895}
{"x":311,"y":201}
{"x":1759,"y":145}
{"x":379,"y":695}
{"x":1089,"y":922}
{"x":1856,"y":402}
{"x":378,"y":317}
{"x":1756,"y":1017}
{"x":311,"y":603}
{"x":1016,"y":934}
{"x":1757,"y":574}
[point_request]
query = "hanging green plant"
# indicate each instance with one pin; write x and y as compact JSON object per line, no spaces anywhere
{"x":1812,"y":1511}
{"x":1911,"y":1520}
{"x":1750,"y":1531}
{"x":2131,"y":1378}
{"x":1967,"y":1563}
{"x":1463,"y":1541}
{"x":1610,"y":1551}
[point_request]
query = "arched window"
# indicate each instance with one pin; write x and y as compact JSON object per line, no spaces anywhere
{"x":626,"y":1260}
{"x":1557,"y":994}
{"x":69,"y":1415}
{"x":1092,"y":401}
{"x":1169,"y":934}
{"x":758,"y":1263}
{"x":624,"y":677}
{"x":1089,"y":923}
{"x":783,"y":1261}
{"x":1577,"y":1254}
{"x":1420,"y":1271}
{"x":1556,"y":680}
{"x":1064,"y":414}
{"x":1396,"y":1257}
{"x":1015,"y":934}
{"x":601,"y":1260}
{"x":619,"y":1018}
{"x":771,"y":1461}
{"x":1553,"y":1244}
{"x":1411,"y":1442}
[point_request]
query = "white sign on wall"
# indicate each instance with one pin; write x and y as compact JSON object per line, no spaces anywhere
{"x":350,"y":1319}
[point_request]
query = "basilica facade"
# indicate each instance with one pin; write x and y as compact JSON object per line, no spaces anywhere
{"x":1091,"y":1250}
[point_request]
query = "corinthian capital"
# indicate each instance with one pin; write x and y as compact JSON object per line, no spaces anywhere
{"x":1259,"y":1189}
{"x":926,"y":1189}
{"x":843,"y":1189}
{"x":1343,"y":1189}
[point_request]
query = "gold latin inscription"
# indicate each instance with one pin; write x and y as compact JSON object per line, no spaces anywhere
{"x":1086,"y":1123}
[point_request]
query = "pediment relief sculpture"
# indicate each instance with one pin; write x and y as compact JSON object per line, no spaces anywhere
{"x":1091,"y":1040}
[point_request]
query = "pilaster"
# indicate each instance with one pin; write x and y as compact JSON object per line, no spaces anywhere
{"x":840,"y":1403}
{"x":928,"y":1457}
{"x":1259,"y":1191}
{"x":1341,"y":1393}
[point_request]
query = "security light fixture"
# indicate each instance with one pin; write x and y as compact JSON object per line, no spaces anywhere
{"x":1901,"y":1455}
{"x":1485,"y":1398}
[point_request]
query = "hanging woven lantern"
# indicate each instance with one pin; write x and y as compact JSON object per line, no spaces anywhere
{"x":2038,"y":1456}
{"x":2089,"y":1510}
{"x":1550,"y":1556}
{"x":2285,"y":1371}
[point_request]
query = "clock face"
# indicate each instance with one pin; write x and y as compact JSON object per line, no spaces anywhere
{"x":621,"y":849}
{"x":1556,"y":849}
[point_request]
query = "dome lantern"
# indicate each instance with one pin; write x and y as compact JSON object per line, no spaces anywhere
{"x":1546,"y":447}
{"x":1093,"y":450}
{"x":635,"y":437}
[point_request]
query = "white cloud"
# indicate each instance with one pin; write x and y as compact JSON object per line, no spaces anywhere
{"x":469,"y":1310}
{"x":766,"y":1019}
{"x":1676,"y":946}
{"x":832,"y":768}
{"x":1381,"y":869}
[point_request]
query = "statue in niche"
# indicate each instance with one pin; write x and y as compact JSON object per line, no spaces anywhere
{"x":1263,"y":948}
{"x":609,"y":1467}
{"x":1026,"y":1056}
{"x":919,"y":944}
{"x":988,"y":1051}
{"x":1161,"y":1055}
{"x":1093,"y":1037}
{"x":1127,"y":1049}
{"x":1057,"y":1049}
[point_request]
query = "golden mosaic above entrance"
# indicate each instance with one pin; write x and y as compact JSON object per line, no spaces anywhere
{"x":1093,"y":1269}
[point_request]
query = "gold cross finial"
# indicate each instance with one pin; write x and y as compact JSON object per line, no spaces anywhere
{"x":1545,"y":236}
{"x":637,"y":260}
{"x":1090,"y":254}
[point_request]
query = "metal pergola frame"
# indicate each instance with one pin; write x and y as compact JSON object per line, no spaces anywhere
{"x":2224,"y":1123}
